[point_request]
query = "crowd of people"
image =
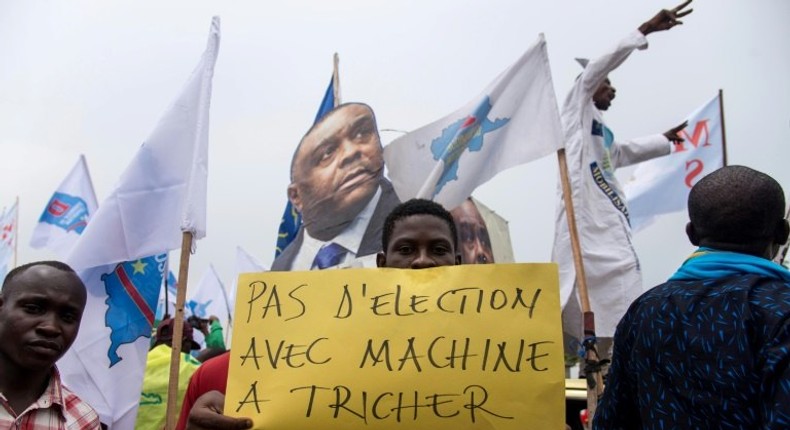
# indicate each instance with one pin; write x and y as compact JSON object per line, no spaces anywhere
{"x":710,"y":348}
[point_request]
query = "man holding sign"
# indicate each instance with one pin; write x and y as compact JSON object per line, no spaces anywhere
{"x":474,"y":346}
{"x":417,"y":234}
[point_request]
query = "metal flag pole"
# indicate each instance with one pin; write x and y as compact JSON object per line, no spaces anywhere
{"x":781,"y":254}
{"x":723,"y":134}
{"x":336,"y":80}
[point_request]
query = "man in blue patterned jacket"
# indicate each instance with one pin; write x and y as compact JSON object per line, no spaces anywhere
{"x":710,"y":348}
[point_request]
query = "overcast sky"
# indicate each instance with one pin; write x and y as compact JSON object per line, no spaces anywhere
{"x":93,"y":77}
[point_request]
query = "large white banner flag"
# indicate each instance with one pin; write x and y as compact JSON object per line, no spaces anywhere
{"x":67,"y":212}
{"x":662,"y":185}
{"x":122,"y":252}
{"x":515,"y":120}
{"x":162,"y":192}
{"x":8,"y":233}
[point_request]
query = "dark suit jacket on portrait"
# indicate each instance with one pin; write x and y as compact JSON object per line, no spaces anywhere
{"x":371,"y":240}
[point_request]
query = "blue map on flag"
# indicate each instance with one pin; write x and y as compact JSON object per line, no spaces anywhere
{"x":198,"y":309}
{"x":67,"y":212}
{"x":132,"y":292}
{"x":464,"y":134}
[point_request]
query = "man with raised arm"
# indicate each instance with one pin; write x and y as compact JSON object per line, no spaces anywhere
{"x":610,"y":262}
{"x":710,"y":348}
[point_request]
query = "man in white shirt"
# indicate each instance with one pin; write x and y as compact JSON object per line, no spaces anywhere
{"x":611,"y":266}
{"x":337,"y":183}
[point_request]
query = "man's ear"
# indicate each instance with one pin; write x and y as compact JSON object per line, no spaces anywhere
{"x":381,"y":259}
{"x":692,"y":234}
{"x":457,"y":259}
{"x":295,"y":197}
{"x":782,"y":232}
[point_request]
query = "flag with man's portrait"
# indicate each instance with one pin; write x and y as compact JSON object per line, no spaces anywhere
{"x":513,"y":121}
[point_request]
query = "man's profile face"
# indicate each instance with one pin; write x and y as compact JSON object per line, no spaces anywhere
{"x":336,"y":170}
{"x":473,"y":239}
{"x":40,"y":313}
{"x":419,"y":242}
{"x":603,"y":96}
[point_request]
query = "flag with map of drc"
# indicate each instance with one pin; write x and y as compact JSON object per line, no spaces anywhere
{"x":515,"y":120}
{"x":105,"y":364}
{"x":122,"y":253}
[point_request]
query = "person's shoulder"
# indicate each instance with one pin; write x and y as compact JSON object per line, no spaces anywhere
{"x":78,"y":414}
{"x":211,"y":375}
{"x":219,"y":363}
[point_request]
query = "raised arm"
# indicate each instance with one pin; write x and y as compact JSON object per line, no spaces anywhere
{"x":665,"y":19}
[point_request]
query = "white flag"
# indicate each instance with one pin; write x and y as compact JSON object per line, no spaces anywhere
{"x":514,"y":121}
{"x":106,"y":363}
{"x":245,"y":263}
{"x":662,"y":185}
{"x":162,"y":192}
{"x":122,"y":256}
{"x":67,"y":212}
{"x":8,"y":232}
{"x":167,"y":294}
{"x":209,"y":298}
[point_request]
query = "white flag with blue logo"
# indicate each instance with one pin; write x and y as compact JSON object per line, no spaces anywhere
{"x":514,"y":121}
{"x":662,"y":185}
{"x":67,"y":212}
{"x":162,"y":192}
{"x":208,"y":298}
{"x":122,"y":254}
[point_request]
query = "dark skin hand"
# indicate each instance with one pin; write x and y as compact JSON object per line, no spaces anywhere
{"x":206,"y":414}
{"x":665,"y":19}
{"x":673,"y":133}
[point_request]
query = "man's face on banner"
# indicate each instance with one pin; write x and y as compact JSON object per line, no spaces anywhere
{"x":336,"y":170}
{"x":473,"y":241}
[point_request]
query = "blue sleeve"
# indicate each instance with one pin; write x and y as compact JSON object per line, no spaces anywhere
{"x":618,"y":408}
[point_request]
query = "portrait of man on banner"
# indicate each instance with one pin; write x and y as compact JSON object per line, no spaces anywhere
{"x":483,"y":235}
{"x":338,"y":184}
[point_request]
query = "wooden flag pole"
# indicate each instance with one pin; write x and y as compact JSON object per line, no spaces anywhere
{"x":723,"y":134}
{"x":593,"y":373}
{"x":178,"y":331}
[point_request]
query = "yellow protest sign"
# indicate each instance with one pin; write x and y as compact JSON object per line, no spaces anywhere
{"x":460,"y":347}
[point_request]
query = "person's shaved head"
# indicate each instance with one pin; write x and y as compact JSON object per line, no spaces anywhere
{"x":737,"y":208}
{"x":9,"y":286}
